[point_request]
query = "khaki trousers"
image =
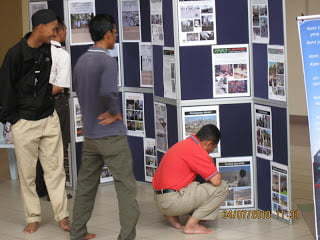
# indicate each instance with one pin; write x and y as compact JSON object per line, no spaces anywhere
{"x":114,"y":152}
{"x":200,"y":200}
{"x":41,"y":140}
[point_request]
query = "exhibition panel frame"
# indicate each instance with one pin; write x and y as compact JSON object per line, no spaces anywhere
{"x":187,"y":75}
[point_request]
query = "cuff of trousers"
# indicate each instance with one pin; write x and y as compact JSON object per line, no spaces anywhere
{"x":33,"y":219}
{"x":61,"y":217}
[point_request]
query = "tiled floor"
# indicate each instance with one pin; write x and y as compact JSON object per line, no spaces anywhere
{"x":152,"y":226}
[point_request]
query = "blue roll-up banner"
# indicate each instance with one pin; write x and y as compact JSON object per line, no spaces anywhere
{"x":309,"y":31}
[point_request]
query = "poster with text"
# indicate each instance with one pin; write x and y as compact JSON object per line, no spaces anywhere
{"x":34,"y":7}
{"x":276,"y":73}
{"x":80,"y":13}
{"x":78,"y":123}
{"x":231,"y":71}
{"x":134,"y":114}
{"x":161,"y":125}
{"x":237,"y":172}
{"x":146,"y":65}
{"x":150,"y":158}
{"x":156,"y":15}
{"x":197,"y":22}
{"x":115,"y":53}
{"x":263,"y":119}
{"x":279,"y":190}
{"x":169,"y":73}
{"x":194,"y":118}
{"x":260,"y":21}
{"x":106,"y":175}
{"x":130,"y":15}
{"x":309,"y":36}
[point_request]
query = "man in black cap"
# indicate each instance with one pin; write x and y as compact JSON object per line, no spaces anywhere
{"x":26,"y":102}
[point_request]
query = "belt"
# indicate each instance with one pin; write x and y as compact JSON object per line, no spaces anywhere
{"x":162,"y":191}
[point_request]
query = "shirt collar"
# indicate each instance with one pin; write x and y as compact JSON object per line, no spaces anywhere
{"x":195,"y":139}
{"x":55,"y":43}
{"x":97,"y":49}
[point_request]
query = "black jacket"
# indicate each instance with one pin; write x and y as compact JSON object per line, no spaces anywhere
{"x":25,"y":92}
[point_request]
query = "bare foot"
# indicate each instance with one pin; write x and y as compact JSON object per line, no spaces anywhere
{"x":64,"y":224}
{"x":89,"y":236}
{"x":193,"y":227}
{"x":31,"y":227}
{"x":196,"y":229}
{"x":174,"y":221}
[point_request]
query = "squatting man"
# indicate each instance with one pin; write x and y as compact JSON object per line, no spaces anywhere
{"x":176,"y":191}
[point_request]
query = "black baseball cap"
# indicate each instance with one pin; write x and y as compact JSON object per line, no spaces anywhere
{"x":43,"y":16}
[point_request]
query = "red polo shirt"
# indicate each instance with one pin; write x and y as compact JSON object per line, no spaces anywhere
{"x":182,"y":163}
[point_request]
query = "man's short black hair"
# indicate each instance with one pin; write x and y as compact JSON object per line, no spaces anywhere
{"x":209,"y":132}
{"x":99,"y":25}
{"x":61,"y":24}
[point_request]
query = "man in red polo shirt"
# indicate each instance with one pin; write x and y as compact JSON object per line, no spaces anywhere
{"x":176,"y":191}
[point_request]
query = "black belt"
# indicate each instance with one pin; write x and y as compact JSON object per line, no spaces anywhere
{"x":162,"y":191}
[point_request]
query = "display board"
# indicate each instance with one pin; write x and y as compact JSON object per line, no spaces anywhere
{"x":195,"y":62}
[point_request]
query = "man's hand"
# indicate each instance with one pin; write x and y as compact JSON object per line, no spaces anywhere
{"x":216,"y":180}
{"x":106,"y":118}
{"x":56,"y":89}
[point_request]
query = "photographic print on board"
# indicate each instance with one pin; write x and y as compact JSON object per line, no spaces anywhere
{"x":157,"y":35}
{"x":237,"y":172}
{"x":146,"y":64}
{"x":130,"y":16}
{"x":115,"y":53}
{"x":169,"y":73}
{"x":106,"y":175}
{"x":197,"y":22}
{"x":260,"y":21}
{"x":231,"y":71}
{"x":134,"y":114}
{"x":276,"y":73}
{"x":80,"y":13}
{"x":78,"y":123}
{"x":150,"y":158}
{"x":194,"y":118}
{"x":263,"y":119}
{"x":161,"y":125}
{"x":279,"y":191}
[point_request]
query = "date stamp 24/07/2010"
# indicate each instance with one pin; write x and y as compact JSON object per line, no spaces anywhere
{"x":258,"y":214}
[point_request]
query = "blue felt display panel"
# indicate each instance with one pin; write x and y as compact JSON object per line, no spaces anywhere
{"x":78,"y":154}
{"x":136,"y":146}
{"x":145,"y":20}
{"x":196,"y":72}
{"x":260,"y":70}
{"x":57,"y":7}
{"x":76,"y":52}
{"x":276,"y":22}
{"x":279,"y":135}
{"x":236,"y":130}
{"x":149,"y":115}
{"x":232,"y":21}
{"x":108,"y":7}
{"x":172,"y":125}
{"x":168,"y":30}
{"x":263,"y":184}
{"x":158,"y":70}
{"x":131,"y":65}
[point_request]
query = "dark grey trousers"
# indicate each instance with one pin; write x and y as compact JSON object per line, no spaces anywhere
{"x":115,"y":153}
